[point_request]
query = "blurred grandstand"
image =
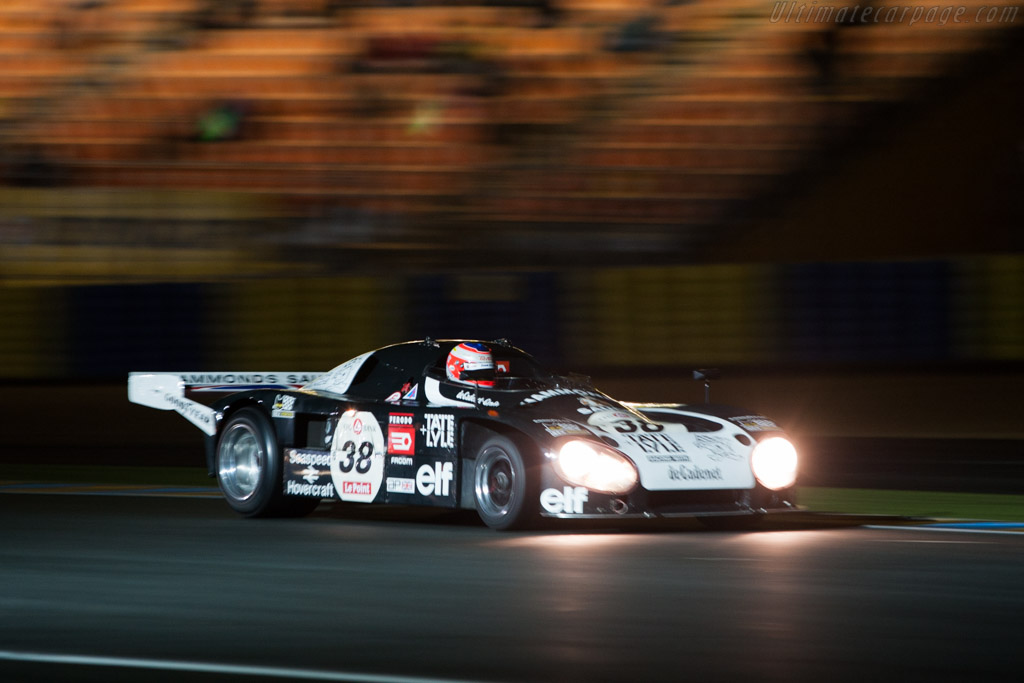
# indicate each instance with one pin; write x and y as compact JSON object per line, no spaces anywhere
{"x":186,"y":174}
{"x":236,"y":137}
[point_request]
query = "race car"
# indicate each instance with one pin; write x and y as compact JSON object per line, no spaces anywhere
{"x":476,"y":425}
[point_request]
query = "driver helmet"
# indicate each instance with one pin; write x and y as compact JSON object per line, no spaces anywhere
{"x":470,"y":357}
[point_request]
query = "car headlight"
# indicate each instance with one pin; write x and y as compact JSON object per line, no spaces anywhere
{"x":774,"y":462}
{"x":587,"y":464}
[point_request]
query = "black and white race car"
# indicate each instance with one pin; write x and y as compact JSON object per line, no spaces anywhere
{"x":474,"y":425}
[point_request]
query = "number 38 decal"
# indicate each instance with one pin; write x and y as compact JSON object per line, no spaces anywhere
{"x":357,"y":457}
{"x":630,"y":426}
{"x":362,"y":463}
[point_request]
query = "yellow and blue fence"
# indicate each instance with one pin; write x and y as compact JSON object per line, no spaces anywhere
{"x":905,"y":313}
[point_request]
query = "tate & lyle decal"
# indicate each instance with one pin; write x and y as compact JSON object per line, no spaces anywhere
{"x":439,"y":430}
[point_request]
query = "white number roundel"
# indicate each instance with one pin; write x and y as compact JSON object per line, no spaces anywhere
{"x":357,"y":457}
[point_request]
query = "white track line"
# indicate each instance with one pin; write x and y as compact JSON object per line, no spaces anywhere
{"x":214,"y":668}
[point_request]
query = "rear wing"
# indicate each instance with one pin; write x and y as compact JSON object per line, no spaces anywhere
{"x":166,"y":390}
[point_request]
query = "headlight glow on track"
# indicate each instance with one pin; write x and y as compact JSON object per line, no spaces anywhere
{"x":774,"y":462}
{"x":587,"y":464}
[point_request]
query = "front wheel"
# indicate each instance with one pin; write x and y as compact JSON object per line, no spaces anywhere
{"x":249,"y":468}
{"x":502,"y":485}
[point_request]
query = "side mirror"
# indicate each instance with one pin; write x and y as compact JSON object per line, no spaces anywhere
{"x":707,"y":374}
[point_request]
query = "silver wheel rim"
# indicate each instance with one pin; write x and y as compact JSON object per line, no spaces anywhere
{"x":495,"y":482}
{"x":240,"y":461}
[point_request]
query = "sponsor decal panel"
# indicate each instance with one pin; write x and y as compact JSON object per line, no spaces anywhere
{"x":671,"y":458}
{"x":475,"y":398}
{"x":401,"y":485}
{"x":755,"y":423}
{"x":196,"y":413}
{"x":568,"y":501}
{"x":214,"y":381}
{"x":688,"y":473}
{"x":435,"y":480}
{"x":298,"y":456}
{"x":401,"y":434}
{"x":552,"y":393}
{"x":356,"y":488}
{"x":439,"y":430}
{"x":309,"y":466}
{"x":654,"y":443}
{"x":294,"y":488}
{"x":717,"y":449}
{"x":357,"y":457}
{"x":284,"y":407}
{"x":562,"y":428}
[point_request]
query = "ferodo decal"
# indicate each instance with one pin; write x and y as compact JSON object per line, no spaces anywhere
{"x":357,"y":457}
{"x":401,"y":434}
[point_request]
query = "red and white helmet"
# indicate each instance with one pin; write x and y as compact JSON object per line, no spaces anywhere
{"x":469,"y":357}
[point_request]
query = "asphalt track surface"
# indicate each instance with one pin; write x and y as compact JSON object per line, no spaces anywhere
{"x":144,"y":588}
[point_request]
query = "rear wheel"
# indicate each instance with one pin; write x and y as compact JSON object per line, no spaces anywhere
{"x":249,"y":468}
{"x":502,"y":485}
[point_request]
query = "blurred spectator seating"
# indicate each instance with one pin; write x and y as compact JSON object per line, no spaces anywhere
{"x":491,"y":113}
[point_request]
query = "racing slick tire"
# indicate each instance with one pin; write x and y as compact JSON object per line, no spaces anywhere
{"x":502,"y":485}
{"x":248,"y":465}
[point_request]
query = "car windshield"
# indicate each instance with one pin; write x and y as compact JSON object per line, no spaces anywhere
{"x":514,"y":370}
